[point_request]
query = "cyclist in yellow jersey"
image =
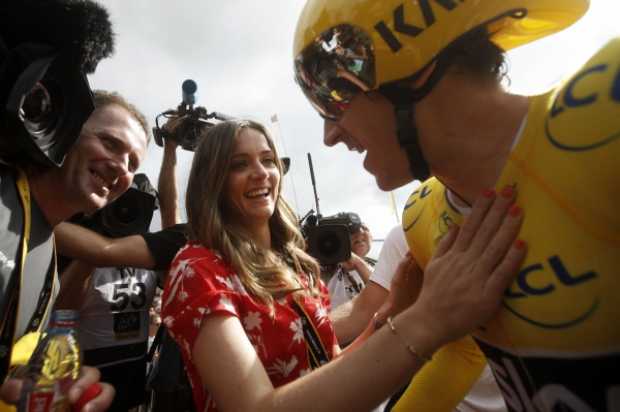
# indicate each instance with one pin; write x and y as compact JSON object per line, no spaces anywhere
{"x":427,"y":100}
{"x":560,"y":314}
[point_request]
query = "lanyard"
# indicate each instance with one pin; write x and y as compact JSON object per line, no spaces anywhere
{"x":7,"y":335}
{"x":316,"y":349}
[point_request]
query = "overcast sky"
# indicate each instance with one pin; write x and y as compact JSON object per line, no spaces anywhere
{"x":240,"y":54}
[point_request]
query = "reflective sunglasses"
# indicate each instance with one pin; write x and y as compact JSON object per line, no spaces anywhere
{"x":334,"y":68}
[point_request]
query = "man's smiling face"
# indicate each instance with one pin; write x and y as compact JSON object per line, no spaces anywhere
{"x":101,"y":165}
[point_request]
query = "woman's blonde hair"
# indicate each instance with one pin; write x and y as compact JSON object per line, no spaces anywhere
{"x":264,"y":273}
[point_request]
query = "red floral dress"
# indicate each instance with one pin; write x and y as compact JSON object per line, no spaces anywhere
{"x":201,"y":283}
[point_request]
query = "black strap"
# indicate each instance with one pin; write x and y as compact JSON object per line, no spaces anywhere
{"x":6,"y":337}
{"x":316,"y":349}
{"x":409,"y":141}
{"x":44,"y":297}
{"x":404,"y":98}
{"x":356,"y":287}
{"x":111,"y":354}
{"x":156,"y":343}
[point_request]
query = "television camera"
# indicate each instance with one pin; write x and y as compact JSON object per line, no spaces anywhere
{"x":328,"y":238}
{"x":191,"y":119}
{"x":46,"y":50}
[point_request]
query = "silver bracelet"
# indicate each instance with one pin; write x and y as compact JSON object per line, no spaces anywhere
{"x":409,"y":347}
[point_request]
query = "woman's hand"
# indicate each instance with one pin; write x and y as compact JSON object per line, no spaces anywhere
{"x":404,"y":289}
{"x":465,"y":280}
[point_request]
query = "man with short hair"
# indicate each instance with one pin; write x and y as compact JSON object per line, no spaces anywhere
{"x":98,"y":169}
{"x":114,"y":302}
{"x":47,"y":47}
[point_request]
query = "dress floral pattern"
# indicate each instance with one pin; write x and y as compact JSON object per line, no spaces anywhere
{"x":201,"y":283}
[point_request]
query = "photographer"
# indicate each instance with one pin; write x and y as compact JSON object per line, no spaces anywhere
{"x":352,"y":317}
{"x":166,"y":384}
{"x":96,"y":171}
{"x":46,"y":47}
{"x":141,"y":250}
{"x":350,"y":277}
{"x":114,"y":302}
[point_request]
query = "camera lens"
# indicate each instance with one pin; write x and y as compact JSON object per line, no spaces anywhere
{"x":39,"y":113}
{"x":329,"y":244}
{"x":125,"y":214}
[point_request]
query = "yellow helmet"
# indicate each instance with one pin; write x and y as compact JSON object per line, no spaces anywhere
{"x":399,"y":38}
{"x":407,"y":35}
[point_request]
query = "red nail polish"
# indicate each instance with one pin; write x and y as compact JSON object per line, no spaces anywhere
{"x":89,"y":394}
{"x":488,"y":193}
{"x":514,"y":211}
{"x":507,"y":191}
{"x":519,"y":244}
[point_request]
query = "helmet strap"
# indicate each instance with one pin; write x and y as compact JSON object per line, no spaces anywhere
{"x":408,"y":139}
{"x":404,"y":98}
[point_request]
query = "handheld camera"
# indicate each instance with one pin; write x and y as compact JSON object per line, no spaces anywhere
{"x":128,"y":215}
{"x":328,"y":238}
{"x":192,"y":119}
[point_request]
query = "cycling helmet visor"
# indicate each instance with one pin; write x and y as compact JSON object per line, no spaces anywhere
{"x":336,"y":66}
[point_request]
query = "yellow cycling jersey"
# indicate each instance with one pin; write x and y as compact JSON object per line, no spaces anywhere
{"x":442,"y":383}
{"x":555,"y":345}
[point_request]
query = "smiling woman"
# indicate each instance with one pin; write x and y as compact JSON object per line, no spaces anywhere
{"x":253,"y":182}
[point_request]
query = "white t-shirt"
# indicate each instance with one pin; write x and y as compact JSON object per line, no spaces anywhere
{"x":344,"y":286}
{"x":393,"y":250}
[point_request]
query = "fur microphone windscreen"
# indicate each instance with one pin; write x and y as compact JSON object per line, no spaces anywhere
{"x":79,"y":27}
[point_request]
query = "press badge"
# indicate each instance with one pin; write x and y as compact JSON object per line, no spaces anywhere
{"x":126,"y":325}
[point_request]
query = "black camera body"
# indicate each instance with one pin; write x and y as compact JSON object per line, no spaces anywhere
{"x":329,"y":238}
{"x":128,"y":215}
{"x":187,"y":133}
{"x":193,"y":120}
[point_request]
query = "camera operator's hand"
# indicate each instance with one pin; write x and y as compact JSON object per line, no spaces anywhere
{"x":167,"y":181}
{"x":173,"y":123}
{"x":170,"y":145}
{"x":358,"y":264}
{"x":351,"y":263}
{"x":404,"y":289}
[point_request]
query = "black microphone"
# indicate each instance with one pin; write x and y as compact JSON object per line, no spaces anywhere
{"x":46,"y":49}
{"x":189,"y":88}
{"x":81,"y":28}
